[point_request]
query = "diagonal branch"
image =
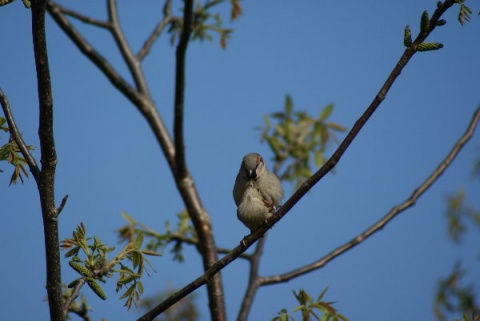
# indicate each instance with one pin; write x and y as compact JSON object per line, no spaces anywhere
{"x":17,"y":137}
{"x":380,"y":224}
{"x":167,"y":18}
{"x":86,"y":19}
{"x":132,"y":62}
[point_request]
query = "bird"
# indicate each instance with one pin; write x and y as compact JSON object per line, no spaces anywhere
{"x":254,"y":181}
{"x":252,"y":211}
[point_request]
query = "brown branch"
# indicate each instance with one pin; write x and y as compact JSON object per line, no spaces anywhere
{"x":143,"y":104}
{"x":46,"y":181}
{"x":419,"y":191}
{"x":253,"y":284}
{"x":86,"y":19}
{"x":180,"y":89}
{"x":73,"y":295}
{"x":184,"y":181}
{"x":307,"y":185}
{"x":17,"y":137}
{"x":132,"y":62}
{"x":167,"y":13}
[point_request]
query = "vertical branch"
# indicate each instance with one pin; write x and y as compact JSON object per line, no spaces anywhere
{"x":180,"y":89}
{"x":46,"y":182}
{"x":183,"y":179}
{"x":253,"y":283}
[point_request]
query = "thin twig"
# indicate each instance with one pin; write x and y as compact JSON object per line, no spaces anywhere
{"x":17,"y":137}
{"x":62,"y":205}
{"x":132,"y":62}
{"x":167,"y":18}
{"x":83,"y":18}
{"x":253,"y":283}
{"x":73,"y":295}
{"x":380,"y":224}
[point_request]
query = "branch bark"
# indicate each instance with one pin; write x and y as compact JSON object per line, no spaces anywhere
{"x":200,"y":218}
{"x":46,"y":181}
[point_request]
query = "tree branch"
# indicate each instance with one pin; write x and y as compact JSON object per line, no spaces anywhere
{"x":73,"y":295}
{"x":83,"y":18}
{"x":180,"y":89}
{"x":132,"y":62}
{"x":253,"y":283}
{"x":46,"y":181}
{"x":418,"y":192}
{"x":185,"y":185}
{"x":308,"y":184}
{"x":17,"y":137}
{"x":167,"y":18}
{"x":143,"y":104}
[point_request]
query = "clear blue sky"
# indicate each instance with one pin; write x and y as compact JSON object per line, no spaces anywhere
{"x":319,"y":52}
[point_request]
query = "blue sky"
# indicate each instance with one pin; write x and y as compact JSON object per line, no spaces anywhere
{"x":319,"y":52}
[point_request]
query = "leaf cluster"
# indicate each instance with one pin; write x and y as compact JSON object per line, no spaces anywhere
{"x":424,"y":28}
{"x":459,"y":214}
{"x":205,"y":22}
{"x":452,"y":296}
{"x":464,"y":12}
{"x":128,"y":264}
{"x":311,"y":310}
{"x":157,"y":242}
{"x":296,"y":139}
{"x":11,"y":153}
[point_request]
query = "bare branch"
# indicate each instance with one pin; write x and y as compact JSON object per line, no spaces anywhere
{"x":46,"y":181}
{"x":253,"y":283}
{"x":388,"y":217}
{"x":143,"y":104}
{"x":62,"y":205}
{"x":86,"y":19}
{"x":180,"y":89}
{"x":73,"y":295}
{"x":167,"y":13}
{"x":17,"y":137}
{"x":132,"y":62}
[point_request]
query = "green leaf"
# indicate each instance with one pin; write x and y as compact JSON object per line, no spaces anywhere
{"x":424,"y":22}
{"x":428,"y":46}
{"x":325,"y":113}
{"x":407,"y":37}
{"x":138,"y":241}
{"x":288,"y":104}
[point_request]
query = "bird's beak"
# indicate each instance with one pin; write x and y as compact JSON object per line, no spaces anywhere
{"x":252,"y":174}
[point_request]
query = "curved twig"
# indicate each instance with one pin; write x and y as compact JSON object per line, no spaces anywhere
{"x":419,"y":191}
{"x":167,"y":18}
